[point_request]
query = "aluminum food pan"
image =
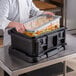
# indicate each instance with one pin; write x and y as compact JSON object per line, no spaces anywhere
{"x":29,"y":24}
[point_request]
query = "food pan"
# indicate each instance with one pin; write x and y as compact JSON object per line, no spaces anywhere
{"x":42,"y":24}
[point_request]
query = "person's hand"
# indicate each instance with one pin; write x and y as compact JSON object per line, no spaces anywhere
{"x":19,"y":27}
{"x":49,"y":13}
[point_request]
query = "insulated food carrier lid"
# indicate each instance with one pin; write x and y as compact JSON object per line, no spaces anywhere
{"x":31,"y":25}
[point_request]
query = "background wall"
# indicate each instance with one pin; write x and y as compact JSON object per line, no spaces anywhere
{"x":71,"y":14}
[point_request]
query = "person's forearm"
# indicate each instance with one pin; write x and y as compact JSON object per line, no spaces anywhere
{"x":34,"y":10}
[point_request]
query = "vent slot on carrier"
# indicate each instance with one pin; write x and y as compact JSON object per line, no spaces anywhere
{"x":55,"y":40}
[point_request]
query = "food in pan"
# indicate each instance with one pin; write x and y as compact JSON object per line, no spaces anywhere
{"x":48,"y":29}
{"x":41,"y":25}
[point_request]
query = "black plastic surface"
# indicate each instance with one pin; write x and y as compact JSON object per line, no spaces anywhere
{"x":37,"y":46}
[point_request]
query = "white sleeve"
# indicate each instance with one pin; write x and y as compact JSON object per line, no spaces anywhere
{"x":4,"y":10}
{"x":34,"y":10}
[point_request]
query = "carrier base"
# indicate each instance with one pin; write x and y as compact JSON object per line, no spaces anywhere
{"x":31,"y":59}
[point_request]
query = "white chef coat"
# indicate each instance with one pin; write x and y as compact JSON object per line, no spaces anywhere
{"x":15,"y":10}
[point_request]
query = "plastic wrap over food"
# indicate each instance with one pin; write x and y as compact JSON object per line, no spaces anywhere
{"x":41,"y":24}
